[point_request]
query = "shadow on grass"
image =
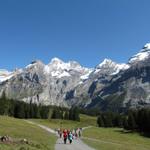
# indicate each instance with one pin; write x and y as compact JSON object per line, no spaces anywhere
{"x":147,"y":135}
{"x":122,"y":131}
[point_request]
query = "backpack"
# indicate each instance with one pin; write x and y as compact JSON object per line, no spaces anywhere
{"x":70,"y":136}
{"x":65,"y":134}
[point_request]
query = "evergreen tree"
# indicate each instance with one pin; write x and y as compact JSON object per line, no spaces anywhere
{"x":11,"y":107}
{"x":44,"y":112}
{"x":35,"y":111}
{"x":61,"y":114}
{"x":66,"y":115}
{"x":54,"y":114}
{"x":31,"y":110}
{"x":107,"y":119}
{"x":19,"y":111}
{"x":50,"y":113}
{"x":131,"y":122}
{"x":117,"y":120}
{"x":76,"y":114}
{"x":125,"y":123}
{"x":71,"y":114}
{"x":4,"y":105}
{"x":100,"y":121}
{"x":141,"y":119}
{"x":146,"y":120}
{"x":27,"y":111}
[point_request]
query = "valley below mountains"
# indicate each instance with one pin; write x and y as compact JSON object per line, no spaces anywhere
{"x":108,"y":86}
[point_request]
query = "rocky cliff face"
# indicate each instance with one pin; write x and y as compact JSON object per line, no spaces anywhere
{"x":128,"y":88}
{"x":98,"y":79}
{"x":107,"y":86}
{"x":46,"y":84}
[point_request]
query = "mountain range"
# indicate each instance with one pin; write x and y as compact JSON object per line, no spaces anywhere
{"x":108,"y":86}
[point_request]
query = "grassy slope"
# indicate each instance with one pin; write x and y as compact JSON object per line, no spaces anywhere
{"x":107,"y":138}
{"x":19,"y":129}
{"x":56,"y":123}
{"x":115,"y":139}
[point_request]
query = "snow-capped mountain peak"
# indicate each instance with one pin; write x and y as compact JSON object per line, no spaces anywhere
{"x":34,"y":64}
{"x":58,"y":64}
{"x":146,"y":46}
{"x":142,"y":55}
{"x":109,"y":66}
{"x":74,"y":64}
{"x":5,"y":75}
{"x":104,"y":63}
{"x":120,"y":67}
{"x":56,"y":60}
{"x":58,"y":68}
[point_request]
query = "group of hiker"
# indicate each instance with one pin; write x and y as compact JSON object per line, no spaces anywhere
{"x":69,"y":135}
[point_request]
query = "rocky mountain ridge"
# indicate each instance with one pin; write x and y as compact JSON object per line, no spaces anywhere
{"x":107,"y":86}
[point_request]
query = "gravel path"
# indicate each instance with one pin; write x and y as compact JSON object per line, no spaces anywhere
{"x":77,"y":144}
{"x":41,"y":126}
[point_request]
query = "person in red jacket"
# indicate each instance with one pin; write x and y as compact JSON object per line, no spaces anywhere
{"x":65,"y":135}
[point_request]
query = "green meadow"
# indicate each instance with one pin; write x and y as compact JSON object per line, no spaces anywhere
{"x":19,"y":129}
{"x":67,"y":124}
{"x":98,"y":138}
{"x":115,"y":139}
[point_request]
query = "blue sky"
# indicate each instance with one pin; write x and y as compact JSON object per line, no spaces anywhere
{"x":83,"y":30}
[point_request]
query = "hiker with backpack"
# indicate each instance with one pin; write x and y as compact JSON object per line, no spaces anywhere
{"x":70,"y":137}
{"x":65,"y":135}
